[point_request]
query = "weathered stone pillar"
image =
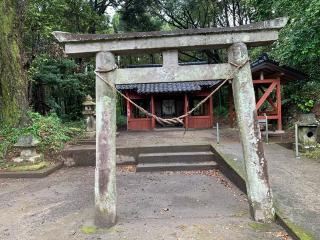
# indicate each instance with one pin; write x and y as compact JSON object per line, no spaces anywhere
{"x":105,"y":173}
{"x":257,"y":182}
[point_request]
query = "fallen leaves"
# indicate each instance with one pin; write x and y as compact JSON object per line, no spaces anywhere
{"x":283,"y":235}
{"x":211,"y":173}
{"x":126,"y":168}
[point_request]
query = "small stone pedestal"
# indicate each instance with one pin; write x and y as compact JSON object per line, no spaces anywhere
{"x":307,"y":132}
{"x":28,"y":145}
{"x":89,"y":114}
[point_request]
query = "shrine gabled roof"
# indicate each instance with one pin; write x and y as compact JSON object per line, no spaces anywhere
{"x":173,"y":87}
{"x":270,"y":67}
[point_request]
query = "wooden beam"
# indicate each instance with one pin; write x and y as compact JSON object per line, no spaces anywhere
{"x":273,"y":117}
{"x":186,"y":125}
{"x":211,"y":111}
{"x":264,"y":81}
{"x":153,"y":120}
{"x":265,"y":95}
{"x":279,"y":125}
{"x":172,"y":74}
{"x":274,"y":107}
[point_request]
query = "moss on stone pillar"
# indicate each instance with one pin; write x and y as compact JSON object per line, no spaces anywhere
{"x":257,"y":182}
{"x":13,"y":84}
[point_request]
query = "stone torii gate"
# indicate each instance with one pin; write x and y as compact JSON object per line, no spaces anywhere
{"x":235,"y":39}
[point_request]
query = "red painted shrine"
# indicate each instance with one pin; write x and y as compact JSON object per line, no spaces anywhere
{"x":174,"y":99}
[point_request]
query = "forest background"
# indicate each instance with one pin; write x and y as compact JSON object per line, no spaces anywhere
{"x":39,"y":81}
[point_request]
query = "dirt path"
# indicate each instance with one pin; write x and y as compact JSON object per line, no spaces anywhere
{"x":150,"y":206}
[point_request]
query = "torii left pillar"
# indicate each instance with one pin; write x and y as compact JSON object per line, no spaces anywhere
{"x":105,"y":172}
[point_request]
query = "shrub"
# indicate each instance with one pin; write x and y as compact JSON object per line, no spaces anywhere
{"x":49,"y":130}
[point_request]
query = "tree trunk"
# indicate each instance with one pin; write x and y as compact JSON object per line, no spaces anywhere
{"x":13,"y":83}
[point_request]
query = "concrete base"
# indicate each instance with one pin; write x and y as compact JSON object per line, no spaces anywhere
{"x":90,"y":135}
{"x":28,"y":155}
{"x":84,"y":154}
{"x":32,"y":174}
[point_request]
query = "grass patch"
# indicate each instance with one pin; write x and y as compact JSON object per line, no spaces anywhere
{"x":259,"y":226}
{"x":21,"y":167}
{"x":314,"y":154}
{"x":299,"y":232}
{"x":89,"y":230}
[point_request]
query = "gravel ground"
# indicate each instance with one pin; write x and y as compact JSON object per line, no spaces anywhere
{"x":198,"y":205}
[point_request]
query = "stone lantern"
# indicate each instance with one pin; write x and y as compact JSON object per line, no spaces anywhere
{"x":28,"y":145}
{"x":89,"y":114}
{"x":307,"y":132}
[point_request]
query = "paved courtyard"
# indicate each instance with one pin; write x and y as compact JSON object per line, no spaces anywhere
{"x":295,"y":182}
{"x":150,"y":206}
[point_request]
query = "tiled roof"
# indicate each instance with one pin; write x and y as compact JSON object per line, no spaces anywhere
{"x":269,"y":66}
{"x":173,"y":87}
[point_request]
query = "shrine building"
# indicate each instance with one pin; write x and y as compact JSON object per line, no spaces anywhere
{"x":174,"y":99}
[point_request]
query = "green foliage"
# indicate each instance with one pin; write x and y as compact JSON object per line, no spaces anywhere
{"x":60,"y":86}
{"x":121,"y":114}
{"x":136,"y":16}
{"x":43,"y":17}
{"x":221,"y":111}
{"x":49,"y":130}
{"x":298,"y":46}
{"x":314,"y":154}
{"x":302,"y":94}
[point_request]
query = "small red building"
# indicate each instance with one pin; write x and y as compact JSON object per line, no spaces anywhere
{"x":169,"y":100}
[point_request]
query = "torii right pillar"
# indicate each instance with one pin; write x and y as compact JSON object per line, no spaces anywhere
{"x":257,"y":181}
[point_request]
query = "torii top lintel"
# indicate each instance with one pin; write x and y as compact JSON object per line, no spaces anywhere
{"x":255,"y":34}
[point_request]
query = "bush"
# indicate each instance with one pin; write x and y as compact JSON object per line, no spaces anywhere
{"x":49,"y":130}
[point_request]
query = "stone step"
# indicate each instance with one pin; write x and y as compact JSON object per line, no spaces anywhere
{"x":179,"y":157}
{"x":166,"y":149}
{"x":85,"y":154}
{"x":176,"y":166}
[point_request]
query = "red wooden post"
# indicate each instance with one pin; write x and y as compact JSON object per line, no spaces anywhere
{"x":186,"y":110}
{"x":231,"y":107}
{"x":279,"y":113}
{"x":153,"y":121}
{"x":128,"y":113}
{"x":211,"y":111}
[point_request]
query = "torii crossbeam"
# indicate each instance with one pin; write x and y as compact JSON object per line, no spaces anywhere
{"x":235,"y":39}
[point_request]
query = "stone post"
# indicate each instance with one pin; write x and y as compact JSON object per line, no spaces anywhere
{"x":257,"y":182}
{"x":89,"y":115}
{"x":105,"y":172}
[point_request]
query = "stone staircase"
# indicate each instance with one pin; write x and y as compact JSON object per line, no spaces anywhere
{"x":176,"y":158}
{"x":146,"y":159}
